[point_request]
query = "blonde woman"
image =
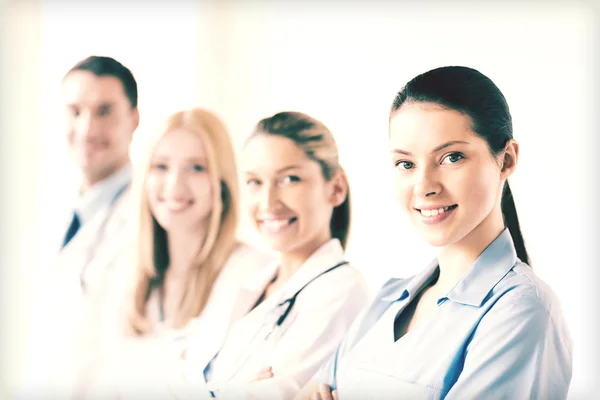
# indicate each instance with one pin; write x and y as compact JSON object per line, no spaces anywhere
{"x":303,"y":303}
{"x":188,"y":262}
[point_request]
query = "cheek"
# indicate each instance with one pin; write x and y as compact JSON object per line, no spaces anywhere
{"x":118,"y":135}
{"x":250,"y":201}
{"x":477,"y":188}
{"x":403,"y":190}
{"x":202,"y":188}
{"x":152,"y":186}
{"x":313,"y":203}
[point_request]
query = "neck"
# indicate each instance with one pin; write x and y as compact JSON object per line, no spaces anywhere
{"x":89,"y":180}
{"x":457,"y":258}
{"x":292,"y":261}
{"x":183,"y":248}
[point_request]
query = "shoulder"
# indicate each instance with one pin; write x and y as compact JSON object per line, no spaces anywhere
{"x":244,"y":262}
{"x":522,"y":286}
{"x":344,"y":284}
{"x":524,"y":300}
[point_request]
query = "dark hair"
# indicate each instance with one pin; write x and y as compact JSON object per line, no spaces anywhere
{"x":469,"y":92}
{"x":317,"y":142}
{"x":107,"y":66}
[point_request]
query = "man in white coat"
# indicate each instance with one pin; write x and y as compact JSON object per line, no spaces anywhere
{"x":99,"y":95}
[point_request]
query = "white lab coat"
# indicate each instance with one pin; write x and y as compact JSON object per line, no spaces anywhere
{"x":142,"y":367}
{"x":315,"y":326}
{"x":65,"y":316}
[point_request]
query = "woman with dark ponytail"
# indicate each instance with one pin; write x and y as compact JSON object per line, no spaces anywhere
{"x":477,"y":322}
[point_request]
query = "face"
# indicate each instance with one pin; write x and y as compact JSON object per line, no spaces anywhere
{"x":178,"y":183}
{"x":99,"y":123}
{"x":445,"y":176}
{"x":289,"y":200}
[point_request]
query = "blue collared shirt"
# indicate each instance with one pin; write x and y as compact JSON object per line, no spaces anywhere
{"x":498,"y":333}
{"x":102,"y":194}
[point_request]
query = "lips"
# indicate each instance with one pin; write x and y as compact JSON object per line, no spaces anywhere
{"x":177,"y":206}
{"x":436,"y":214}
{"x":432,"y":212}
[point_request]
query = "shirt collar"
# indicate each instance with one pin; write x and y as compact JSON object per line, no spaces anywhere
{"x":489,"y":269}
{"x":102,"y":193}
{"x":399,"y":289}
{"x":472,"y":289}
{"x":328,"y":255}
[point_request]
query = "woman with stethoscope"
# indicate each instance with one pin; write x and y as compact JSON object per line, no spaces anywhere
{"x":187,"y":262}
{"x":477,"y":323}
{"x":301,"y":306}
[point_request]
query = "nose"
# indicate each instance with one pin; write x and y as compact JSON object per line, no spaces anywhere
{"x":427,"y":183}
{"x":85,"y":125}
{"x":269,"y":197}
{"x":175,"y":183}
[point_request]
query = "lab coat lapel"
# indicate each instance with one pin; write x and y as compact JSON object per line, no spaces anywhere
{"x":247,"y":296}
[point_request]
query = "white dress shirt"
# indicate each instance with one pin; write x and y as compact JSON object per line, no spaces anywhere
{"x":65,"y":288}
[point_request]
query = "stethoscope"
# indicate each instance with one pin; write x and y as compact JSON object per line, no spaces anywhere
{"x":100,"y":232}
{"x":268,"y":328}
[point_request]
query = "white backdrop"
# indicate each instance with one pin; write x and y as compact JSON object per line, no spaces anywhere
{"x":343,"y":63}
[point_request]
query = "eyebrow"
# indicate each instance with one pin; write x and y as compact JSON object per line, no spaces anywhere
{"x":166,"y":157}
{"x":84,"y":104}
{"x":279,"y":170}
{"x":440,"y":147}
{"x":196,"y":159}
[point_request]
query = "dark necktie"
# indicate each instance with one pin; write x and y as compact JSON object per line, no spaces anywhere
{"x":73,"y":228}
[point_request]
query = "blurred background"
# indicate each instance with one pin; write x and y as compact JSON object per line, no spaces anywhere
{"x":341,"y":62}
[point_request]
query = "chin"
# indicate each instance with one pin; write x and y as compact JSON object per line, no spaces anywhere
{"x":440,"y":238}
{"x":281,"y":246}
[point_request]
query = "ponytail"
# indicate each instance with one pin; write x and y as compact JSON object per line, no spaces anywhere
{"x":511,"y":221}
{"x":340,"y":221}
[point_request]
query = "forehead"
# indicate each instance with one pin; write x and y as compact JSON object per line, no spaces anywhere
{"x":180,"y":143}
{"x":268,"y":153}
{"x":424,"y":125}
{"x":84,"y":88}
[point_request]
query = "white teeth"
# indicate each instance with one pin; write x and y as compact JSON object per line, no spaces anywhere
{"x":433,"y":213}
{"x":275,"y":225}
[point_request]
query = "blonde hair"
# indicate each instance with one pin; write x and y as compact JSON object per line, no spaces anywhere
{"x":318,"y":143}
{"x":220,"y":240}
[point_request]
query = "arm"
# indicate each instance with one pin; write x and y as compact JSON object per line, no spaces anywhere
{"x":519,"y":350}
{"x":324,"y":380}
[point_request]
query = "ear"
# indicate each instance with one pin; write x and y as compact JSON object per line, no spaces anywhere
{"x":339,"y":184}
{"x":510,"y":157}
{"x":136,"y":119}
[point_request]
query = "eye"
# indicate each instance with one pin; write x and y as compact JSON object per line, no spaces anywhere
{"x":159,"y":166}
{"x":252,"y":182}
{"x":404,"y":165}
{"x":198,"y":168}
{"x":74,"y":111}
{"x":452,"y":158}
{"x":104,"y":110}
{"x":290,"y":179}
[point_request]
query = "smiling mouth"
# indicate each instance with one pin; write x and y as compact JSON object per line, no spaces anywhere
{"x":436,"y":212}
{"x":276,"y":225}
{"x":177,"y":207}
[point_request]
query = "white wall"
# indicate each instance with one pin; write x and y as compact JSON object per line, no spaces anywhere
{"x":20,"y":156}
{"x":343,"y":65}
